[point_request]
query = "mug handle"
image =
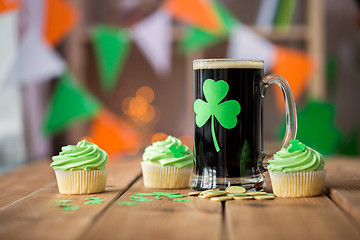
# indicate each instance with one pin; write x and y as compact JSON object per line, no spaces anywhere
{"x":290,"y":108}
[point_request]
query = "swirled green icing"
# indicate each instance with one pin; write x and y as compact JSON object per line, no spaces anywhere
{"x":286,"y":160}
{"x":170,"y":152}
{"x":83,"y":156}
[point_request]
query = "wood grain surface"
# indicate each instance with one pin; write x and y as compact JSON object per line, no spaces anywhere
{"x":28,"y":210}
{"x":24,"y":180}
{"x":159,"y":219}
{"x":288,"y":218}
{"x":37,"y":216}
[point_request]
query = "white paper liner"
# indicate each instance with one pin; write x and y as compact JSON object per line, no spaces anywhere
{"x":80,"y":181}
{"x":298,"y":184}
{"x":158,"y":176}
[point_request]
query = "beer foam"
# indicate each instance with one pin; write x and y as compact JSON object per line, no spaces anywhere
{"x":227,"y":63}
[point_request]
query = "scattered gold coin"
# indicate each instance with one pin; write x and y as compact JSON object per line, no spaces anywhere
{"x":255,"y":193}
{"x":193,"y":193}
{"x":243,"y":198}
{"x":235,"y":189}
{"x":214,"y":193}
{"x":264,"y":197}
{"x":209,"y":190}
{"x":202,"y":196}
{"x":222,"y":198}
{"x":236,"y":194}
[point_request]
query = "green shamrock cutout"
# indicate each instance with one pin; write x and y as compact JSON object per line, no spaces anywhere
{"x":296,"y":145}
{"x":178,"y":152}
{"x":224,"y":112}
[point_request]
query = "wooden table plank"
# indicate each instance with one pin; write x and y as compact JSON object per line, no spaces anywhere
{"x":303,"y":218}
{"x":349,"y":201}
{"x":288,"y":218}
{"x":37,"y":216}
{"x":159,"y":219}
{"x":343,"y":185}
{"x":24,"y":180}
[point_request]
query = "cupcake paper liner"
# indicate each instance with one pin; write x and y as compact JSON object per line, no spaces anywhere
{"x":158,"y":176}
{"x":298,"y":184}
{"x":80,"y":181}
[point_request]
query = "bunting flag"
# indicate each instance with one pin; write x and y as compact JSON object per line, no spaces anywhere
{"x":70,"y":104}
{"x":316,"y":127}
{"x":197,"y":13}
{"x":111,"y":46}
{"x":113,"y":134}
{"x":35,"y":61}
{"x":60,"y":17}
{"x":8,"y":5}
{"x":156,"y":47}
{"x":8,"y":36}
{"x":195,"y":38}
{"x":296,"y":67}
{"x":247,"y":44}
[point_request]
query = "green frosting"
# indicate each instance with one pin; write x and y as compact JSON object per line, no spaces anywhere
{"x":83,"y":156}
{"x":170,"y":152}
{"x":296,"y":158}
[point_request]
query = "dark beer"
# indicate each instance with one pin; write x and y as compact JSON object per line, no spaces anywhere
{"x":235,"y":162}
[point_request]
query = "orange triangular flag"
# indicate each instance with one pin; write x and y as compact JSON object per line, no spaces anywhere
{"x":113,"y":134}
{"x":296,"y":67}
{"x":60,"y":17}
{"x":8,"y":5}
{"x":195,"y":12}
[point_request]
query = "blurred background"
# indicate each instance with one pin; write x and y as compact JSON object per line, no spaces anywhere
{"x":119,"y":72}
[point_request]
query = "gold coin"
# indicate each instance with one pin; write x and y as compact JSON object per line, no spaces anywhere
{"x":209,"y":190}
{"x":235,"y":189}
{"x":222,"y":198}
{"x":255,"y":193}
{"x":243,"y":198}
{"x":202,"y":196}
{"x":193,"y":193}
{"x":214,"y":193}
{"x":236,"y":194}
{"x":264,"y":197}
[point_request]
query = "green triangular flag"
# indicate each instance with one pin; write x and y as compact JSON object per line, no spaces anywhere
{"x":111,"y":46}
{"x":316,"y":127}
{"x":70,"y":104}
{"x":195,"y":39}
{"x":349,"y":143}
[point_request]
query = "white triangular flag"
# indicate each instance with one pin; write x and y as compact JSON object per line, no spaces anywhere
{"x":247,"y":44}
{"x":153,"y":35}
{"x":8,"y":42}
{"x":36,"y":60}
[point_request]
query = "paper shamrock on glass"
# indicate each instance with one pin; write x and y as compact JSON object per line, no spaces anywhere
{"x":224,"y":112}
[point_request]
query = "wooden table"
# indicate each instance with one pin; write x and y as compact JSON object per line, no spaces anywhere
{"x":28,"y":210}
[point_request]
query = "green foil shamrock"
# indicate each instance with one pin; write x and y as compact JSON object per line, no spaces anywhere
{"x":224,"y":112}
{"x":296,"y":145}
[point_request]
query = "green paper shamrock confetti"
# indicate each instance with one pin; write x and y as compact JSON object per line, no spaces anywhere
{"x":165,"y":193}
{"x":145,"y":194}
{"x":296,"y":145}
{"x":69,"y":207}
{"x":140,"y":199}
{"x":178,"y":152}
{"x":158,"y":197}
{"x":63,"y":201}
{"x":176,"y":196}
{"x":224,"y":112}
{"x":181,"y":200}
{"x":94,"y":201}
{"x":127,"y":203}
{"x":94,"y":198}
